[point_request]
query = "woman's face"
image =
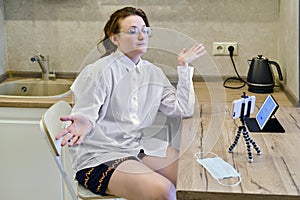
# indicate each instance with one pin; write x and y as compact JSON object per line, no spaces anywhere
{"x":132,"y":45}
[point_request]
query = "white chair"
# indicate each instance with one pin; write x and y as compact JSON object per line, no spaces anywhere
{"x":50,"y":125}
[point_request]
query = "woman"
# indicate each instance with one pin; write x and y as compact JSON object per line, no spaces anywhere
{"x":115,"y":98}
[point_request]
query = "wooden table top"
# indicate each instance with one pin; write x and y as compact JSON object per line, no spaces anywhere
{"x":273,"y":175}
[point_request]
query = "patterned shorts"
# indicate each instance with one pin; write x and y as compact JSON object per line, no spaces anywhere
{"x":96,"y":178}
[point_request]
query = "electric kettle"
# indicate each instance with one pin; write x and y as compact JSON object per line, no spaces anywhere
{"x":260,"y":77}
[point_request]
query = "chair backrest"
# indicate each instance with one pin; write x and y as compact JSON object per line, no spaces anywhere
{"x":51,"y":125}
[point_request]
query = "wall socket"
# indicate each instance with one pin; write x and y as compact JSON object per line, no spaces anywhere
{"x":221,"y":48}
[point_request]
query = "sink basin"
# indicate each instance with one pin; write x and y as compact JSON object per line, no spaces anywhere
{"x":35,"y":88}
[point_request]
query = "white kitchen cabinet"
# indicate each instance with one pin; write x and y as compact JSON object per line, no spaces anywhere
{"x":28,"y":172}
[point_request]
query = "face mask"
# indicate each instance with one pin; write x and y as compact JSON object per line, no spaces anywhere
{"x":218,"y":168}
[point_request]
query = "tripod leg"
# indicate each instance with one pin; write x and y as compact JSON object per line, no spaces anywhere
{"x":247,"y":139}
{"x":256,"y":147}
{"x":237,"y":137}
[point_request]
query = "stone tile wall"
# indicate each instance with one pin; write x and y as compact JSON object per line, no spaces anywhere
{"x":68,"y":31}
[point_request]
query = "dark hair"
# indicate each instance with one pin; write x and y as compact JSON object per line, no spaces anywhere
{"x":112,"y":26}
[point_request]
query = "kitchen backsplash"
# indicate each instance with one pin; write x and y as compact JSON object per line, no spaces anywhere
{"x":2,"y":41}
{"x":68,"y":30}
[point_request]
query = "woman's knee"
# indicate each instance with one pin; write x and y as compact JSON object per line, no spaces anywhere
{"x":162,"y":190}
{"x":134,"y":180}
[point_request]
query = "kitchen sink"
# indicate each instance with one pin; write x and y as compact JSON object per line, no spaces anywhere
{"x":35,"y":88}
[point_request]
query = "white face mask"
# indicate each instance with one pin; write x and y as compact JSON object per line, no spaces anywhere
{"x":218,"y":168}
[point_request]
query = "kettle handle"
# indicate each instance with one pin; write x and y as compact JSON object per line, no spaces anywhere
{"x":278,"y":69}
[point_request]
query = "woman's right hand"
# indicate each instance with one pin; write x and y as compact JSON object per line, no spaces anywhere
{"x":76,"y":131}
{"x":187,"y":56}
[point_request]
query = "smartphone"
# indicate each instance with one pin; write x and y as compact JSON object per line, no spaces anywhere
{"x":245,"y":104}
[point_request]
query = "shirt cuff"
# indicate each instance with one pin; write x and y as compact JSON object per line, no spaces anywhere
{"x":185,"y":73}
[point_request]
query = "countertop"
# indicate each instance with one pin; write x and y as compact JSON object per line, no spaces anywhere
{"x":205,"y":92}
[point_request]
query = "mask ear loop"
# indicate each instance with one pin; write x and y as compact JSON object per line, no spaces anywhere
{"x":232,"y":185}
{"x":198,"y":156}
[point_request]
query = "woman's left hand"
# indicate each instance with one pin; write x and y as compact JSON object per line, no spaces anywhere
{"x":76,"y":131}
{"x":187,"y":56}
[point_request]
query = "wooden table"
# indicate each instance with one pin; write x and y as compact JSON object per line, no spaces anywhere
{"x":273,"y":175}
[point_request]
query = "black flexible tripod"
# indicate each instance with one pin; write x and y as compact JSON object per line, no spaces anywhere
{"x":243,"y":129}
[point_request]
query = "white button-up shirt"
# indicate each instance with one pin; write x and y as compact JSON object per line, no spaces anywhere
{"x":121,"y":98}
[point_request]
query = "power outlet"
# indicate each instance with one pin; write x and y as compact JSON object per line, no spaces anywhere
{"x":221,"y":48}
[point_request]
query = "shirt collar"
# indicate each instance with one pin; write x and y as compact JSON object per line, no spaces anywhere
{"x":119,"y":55}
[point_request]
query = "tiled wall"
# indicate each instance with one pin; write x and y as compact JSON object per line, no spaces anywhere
{"x":68,"y":30}
{"x":3,"y":66}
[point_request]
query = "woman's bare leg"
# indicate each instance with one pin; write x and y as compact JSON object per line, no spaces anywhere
{"x":134,"y":180}
{"x":167,"y":167}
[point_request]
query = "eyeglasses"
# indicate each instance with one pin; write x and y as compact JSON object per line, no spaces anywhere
{"x":133,"y":30}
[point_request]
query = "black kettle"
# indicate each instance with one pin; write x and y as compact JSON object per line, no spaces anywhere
{"x":260,"y":77}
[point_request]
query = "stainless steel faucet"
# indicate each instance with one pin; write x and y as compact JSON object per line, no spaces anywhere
{"x":44,"y":67}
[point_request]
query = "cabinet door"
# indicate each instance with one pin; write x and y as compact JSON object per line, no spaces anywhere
{"x":27,"y":170}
